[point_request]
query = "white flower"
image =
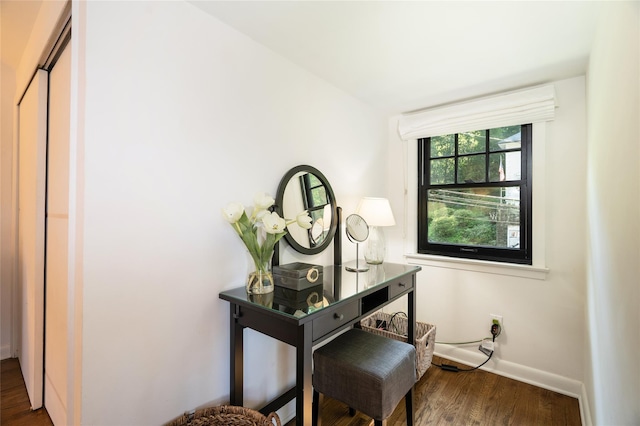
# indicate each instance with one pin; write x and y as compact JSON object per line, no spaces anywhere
{"x":262,"y":201}
{"x":273,"y":223}
{"x":233,"y":212}
{"x":304,"y":220}
{"x":261,"y":231}
{"x":261,"y":214}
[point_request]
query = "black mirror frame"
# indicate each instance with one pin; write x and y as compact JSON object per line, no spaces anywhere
{"x":332,"y":200}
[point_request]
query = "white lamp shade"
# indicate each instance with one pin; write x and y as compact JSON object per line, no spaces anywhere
{"x":376,"y":211}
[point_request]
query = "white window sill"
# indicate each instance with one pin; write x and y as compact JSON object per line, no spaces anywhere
{"x":499,"y":268}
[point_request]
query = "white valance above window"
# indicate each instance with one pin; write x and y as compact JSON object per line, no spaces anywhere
{"x":519,"y":107}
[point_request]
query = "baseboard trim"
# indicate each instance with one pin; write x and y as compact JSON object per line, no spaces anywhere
{"x":585,"y":410}
{"x":288,"y":412}
{"x":5,"y":352}
{"x":521,"y":373}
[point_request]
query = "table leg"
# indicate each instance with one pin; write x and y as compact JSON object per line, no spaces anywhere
{"x":236,"y":357}
{"x":411,"y":336}
{"x":411,"y":308}
{"x":304,"y":387}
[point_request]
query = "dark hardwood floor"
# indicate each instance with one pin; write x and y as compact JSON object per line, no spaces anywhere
{"x":14,"y":402}
{"x":470,"y":398}
{"x":442,"y":398}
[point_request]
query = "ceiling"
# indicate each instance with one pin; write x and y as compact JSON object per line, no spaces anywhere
{"x":398,"y":56}
{"x":401,"y":56}
{"x":16,"y":22}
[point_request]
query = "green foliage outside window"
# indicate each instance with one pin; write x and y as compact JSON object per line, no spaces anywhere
{"x":477,"y":216}
{"x":475,"y":194}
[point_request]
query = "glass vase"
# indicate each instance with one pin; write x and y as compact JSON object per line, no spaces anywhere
{"x":375,"y":246}
{"x":260,"y":280}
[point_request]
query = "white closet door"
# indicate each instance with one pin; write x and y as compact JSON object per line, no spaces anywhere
{"x":31,"y":198}
{"x":56,"y":273}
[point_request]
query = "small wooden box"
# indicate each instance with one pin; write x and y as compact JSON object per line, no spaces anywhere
{"x":297,"y":276}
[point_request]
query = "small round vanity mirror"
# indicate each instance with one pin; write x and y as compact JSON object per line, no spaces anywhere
{"x":306,"y":188}
{"x":357,"y":229}
{"x":357,"y":232}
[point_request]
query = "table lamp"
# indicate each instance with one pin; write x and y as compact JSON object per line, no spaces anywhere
{"x":377,"y":213}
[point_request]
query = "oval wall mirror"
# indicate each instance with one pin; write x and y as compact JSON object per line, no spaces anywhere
{"x":305,"y":188}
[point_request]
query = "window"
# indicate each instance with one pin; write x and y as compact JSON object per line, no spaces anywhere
{"x":474,"y":194}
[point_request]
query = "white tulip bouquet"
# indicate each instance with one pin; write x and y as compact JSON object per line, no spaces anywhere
{"x":262,"y":229}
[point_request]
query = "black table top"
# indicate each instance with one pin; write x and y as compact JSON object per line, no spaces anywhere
{"x":338,"y":285}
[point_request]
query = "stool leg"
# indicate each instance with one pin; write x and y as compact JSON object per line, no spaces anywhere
{"x":408,"y":398}
{"x":315,"y":408}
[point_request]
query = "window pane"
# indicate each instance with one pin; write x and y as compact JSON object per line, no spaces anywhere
{"x":471,"y":169}
{"x":487,"y":217}
{"x":496,"y":168}
{"x":313,"y":180}
{"x":318,"y":197}
{"x":504,"y":138}
{"x":505,"y":166}
{"x":472,"y":142}
{"x":443,"y":146}
{"x":442,"y":171}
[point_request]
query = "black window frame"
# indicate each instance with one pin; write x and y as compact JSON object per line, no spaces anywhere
{"x":307,"y":187}
{"x":522,"y":255}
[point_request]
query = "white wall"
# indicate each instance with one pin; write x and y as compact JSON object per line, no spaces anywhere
{"x":543,"y":337}
{"x":7,"y":239}
{"x":182,"y":116}
{"x":612,"y":372}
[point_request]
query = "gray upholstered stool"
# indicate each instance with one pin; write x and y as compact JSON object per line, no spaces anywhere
{"x":369,"y":373}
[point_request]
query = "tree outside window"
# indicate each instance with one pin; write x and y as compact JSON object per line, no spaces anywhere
{"x":475,"y":194}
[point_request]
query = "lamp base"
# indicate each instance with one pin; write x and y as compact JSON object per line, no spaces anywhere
{"x":375,"y":246}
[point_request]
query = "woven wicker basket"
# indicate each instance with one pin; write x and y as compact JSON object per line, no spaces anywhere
{"x":397,"y":328}
{"x":226,"y":415}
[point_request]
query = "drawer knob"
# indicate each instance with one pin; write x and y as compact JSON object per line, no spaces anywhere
{"x":402,"y":284}
{"x":338,"y":316}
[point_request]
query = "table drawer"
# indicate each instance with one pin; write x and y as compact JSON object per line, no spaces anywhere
{"x":400,"y":285}
{"x":332,"y":320}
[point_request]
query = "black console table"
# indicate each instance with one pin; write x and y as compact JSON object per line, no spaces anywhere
{"x":303,"y":319}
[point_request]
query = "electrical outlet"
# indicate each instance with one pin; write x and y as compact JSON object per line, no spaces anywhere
{"x":496,"y":325}
{"x":496,"y":318}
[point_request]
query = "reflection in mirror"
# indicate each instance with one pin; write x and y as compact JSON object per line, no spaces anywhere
{"x":357,"y":231}
{"x":375,"y":275}
{"x":305,"y":192}
{"x":357,"y":228}
{"x":305,"y":188}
